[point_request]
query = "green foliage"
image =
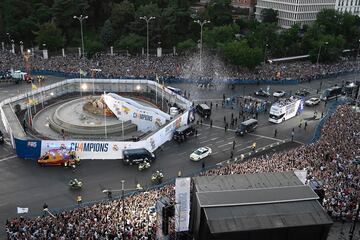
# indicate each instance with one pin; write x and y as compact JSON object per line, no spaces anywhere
{"x":132,"y":42}
{"x":107,"y":33}
{"x":241,"y":54}
{"x":50,"y":35}
{"x":219,"y":12}
{"x":93,"y":47}
{"x":186,"y":46}
{"x":269,"y":15}
{"x":121,"y":15}
{"x":220,"y":35}
{"x":331,"y":48}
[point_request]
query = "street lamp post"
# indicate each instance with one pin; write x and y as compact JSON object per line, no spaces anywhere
{"x":318,"y":56}
{"x":122,"y":190}
{"x":21,"y":47}
{"x":147,"y":20}
{"x":81,"y":18}
{"x":12,"y":46}
{"x":9,"y":37}
{"x":201,"y":38}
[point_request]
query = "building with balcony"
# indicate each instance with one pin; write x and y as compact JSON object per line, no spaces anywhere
{"x":350,"y":6}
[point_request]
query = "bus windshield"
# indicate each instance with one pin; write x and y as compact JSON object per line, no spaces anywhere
{"x":277,"y":117}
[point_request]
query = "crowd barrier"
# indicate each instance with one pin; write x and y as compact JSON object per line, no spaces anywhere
{"x":174,"y":79}
{"x":204,"y":80}
{"x":330,"y":111}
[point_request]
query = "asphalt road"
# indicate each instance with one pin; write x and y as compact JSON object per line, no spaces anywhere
{"x":25,"y":184}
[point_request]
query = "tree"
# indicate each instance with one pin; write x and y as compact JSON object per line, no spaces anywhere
{"x":131,"y":42}
{"x":219,"y":12}
{"x":239,"y":53}
{"x":93,"y":47}
{"x":107,"y":33}
{"x":121,"y":15}
{"x":50,"y":35}
{"x":219,"y":35}
{"x":186,"y":46}
{"x":331,"y":48}
{"x":63,"y":13}
{"x":269,"y":15}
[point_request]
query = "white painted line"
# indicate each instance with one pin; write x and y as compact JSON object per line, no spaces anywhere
{"x":219,"y":141}
{"x":213,"y":139}
{"x":214,"y":153}
{"x":262,"y":136}
{"x":180,"y":153}
{"x":202,"y":137}
{"x":231,"y":138}
{"x":226,"y":149}
{"x":7,"y":158}
{"x":243,"y":148}
{"x":204,"y":141}
{"x":224,"y":144}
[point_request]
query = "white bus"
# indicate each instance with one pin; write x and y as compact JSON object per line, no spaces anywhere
{"x":285,"y":109}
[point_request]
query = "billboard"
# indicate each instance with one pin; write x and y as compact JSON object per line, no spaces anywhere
{"x":93,"y":149}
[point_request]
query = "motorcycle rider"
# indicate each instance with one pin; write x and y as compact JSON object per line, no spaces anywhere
{"x":75,"y":183}
{"x":1,"y":137}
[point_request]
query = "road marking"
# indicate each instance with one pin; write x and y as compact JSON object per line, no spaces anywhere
{"x":226,"y":149}
{"x":219,"y":141}
{"x":205,"y":100}
{"x":8,"y":158}
{"x":213,"y":139}
{"x":230,"y":130}
{"x":203,"y":137}
{"x":205,"y":141}
{"x":224,"y":144}
{"x":180,"y":153}
{"x":215,"y":153}
{"x":231,"y":138}
{"x":243,"y":149}
{"x":262,"y":136}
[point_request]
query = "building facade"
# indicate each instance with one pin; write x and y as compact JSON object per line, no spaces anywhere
{"x":248,"y":4}
{"x":291,"y":12}
{"x":350,"y":6}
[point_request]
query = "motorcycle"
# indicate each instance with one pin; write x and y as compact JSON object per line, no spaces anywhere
{"x":144,"y":165}
{"x":157,"y":177}
{"x":75,"y":184}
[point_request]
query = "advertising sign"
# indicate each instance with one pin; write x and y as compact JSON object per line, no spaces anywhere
{"x":146,"y":118}
{"x":182,"y":208}
{"x":93,"y":149}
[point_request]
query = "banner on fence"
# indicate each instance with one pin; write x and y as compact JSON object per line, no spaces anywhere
{"x":182,"y":208}
{"x":93,"y":149}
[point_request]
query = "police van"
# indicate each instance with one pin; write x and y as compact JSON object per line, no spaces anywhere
{"x":182,"y":133}
{"x":246,"y":126}
{"x":137,"y":155}
{"x":203,"y":110}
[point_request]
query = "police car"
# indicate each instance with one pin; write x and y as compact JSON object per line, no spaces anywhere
{"x":200,"y":153}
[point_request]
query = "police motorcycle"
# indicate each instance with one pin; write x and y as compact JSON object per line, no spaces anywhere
{"x":75,"y":183}
{"x":1,"y":137}
{"x":144,"y":165}
{"x":157,"y":177}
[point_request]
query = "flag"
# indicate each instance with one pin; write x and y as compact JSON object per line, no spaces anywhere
{"x":83,"y":73}
{"x":22,"y":210}
{"x":157,"y":78}
{"x":34,"y":87}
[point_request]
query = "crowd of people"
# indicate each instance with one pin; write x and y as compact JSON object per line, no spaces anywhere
{"x":330,"y":160}
{"x":210,"y":67}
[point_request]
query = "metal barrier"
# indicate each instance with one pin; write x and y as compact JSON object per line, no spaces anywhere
{"x":330,"y":111}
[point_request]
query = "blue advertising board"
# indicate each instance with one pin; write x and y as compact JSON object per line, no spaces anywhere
{"x":28,"y":148}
